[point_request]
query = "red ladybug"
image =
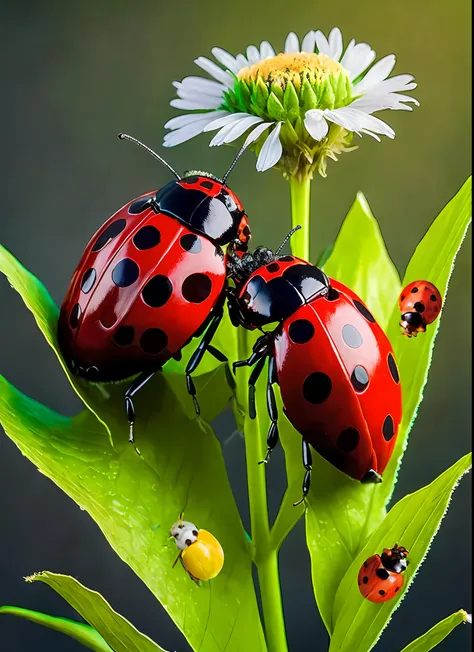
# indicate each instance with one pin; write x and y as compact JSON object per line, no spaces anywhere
{"x":380,"y":577}
{"x":150,"y":280}
{"x":338,"y":377}
{"x":420,"y":303}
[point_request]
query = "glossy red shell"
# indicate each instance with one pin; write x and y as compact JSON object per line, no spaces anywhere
{"x":422,"y":297}
{"x":339,"y":381}
{"x":375,"y":588}
{"x":120,"y":329}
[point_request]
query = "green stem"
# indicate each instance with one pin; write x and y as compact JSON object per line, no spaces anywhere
{"x":300,"y":210}
{"x":265,"y":556}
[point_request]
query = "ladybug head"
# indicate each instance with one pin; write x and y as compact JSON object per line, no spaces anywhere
{"x":394,"y":559}
{"x":412,"y":323}
{"x":184,"y":533}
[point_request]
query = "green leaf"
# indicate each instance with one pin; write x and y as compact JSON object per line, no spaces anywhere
{"x":437,"y":633}
{"x":361,"y":261}
{"x":433,"y":260}
{"x":81,"y":632}
{"x":135,"y":499}
{"x":412,"y":523}
{"x":118,"y":632}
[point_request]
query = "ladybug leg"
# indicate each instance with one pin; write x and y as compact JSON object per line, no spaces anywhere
{"x":135,"y":387}
{"x":252,"y":380}
{"x":217,"y":354}
{"x":273,"y":435}
{"x":308,"y":464}
{"x":198,"y":355}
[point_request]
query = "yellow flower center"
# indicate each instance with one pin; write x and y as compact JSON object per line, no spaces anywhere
{"x":285,"y":68}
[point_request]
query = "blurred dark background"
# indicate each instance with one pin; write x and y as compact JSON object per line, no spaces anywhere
{"x":74,"y":74}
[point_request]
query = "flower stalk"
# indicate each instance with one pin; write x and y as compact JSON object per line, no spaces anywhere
{"x":300,"y":193}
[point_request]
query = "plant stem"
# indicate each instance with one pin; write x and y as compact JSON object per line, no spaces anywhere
{"x":265,"y":556}
{"x":300,"y":210}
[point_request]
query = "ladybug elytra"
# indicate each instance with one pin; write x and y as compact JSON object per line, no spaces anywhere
{"x":338,"y":378}
{"x":200,"y":553}
{"x":381,"y":576}
{"x":420,"y":303}
{"x":151,"y":279}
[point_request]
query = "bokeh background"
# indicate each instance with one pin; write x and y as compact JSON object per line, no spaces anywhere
{"x":74,"y":74}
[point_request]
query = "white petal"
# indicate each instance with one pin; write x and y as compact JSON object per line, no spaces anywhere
{"x":369,"y":133}
{"x":315,"y":124}
{"x":322,"y":42}
{"x":253,"y":54}
{"x":226,"y":59}
{"x":266,"y":50}
{"x":241,"y":62}
{"x":308,"y":43}
{"x":225,"y":120}
{"x":397,"y":83}
{"x":271,"y":151}
{"x":357,"y":58}
{"x":377,"y":102}
{"x":256,"y":133}
{"x":335,"y":44}
{"x":186,"y":133}
{"x":376,"y":74}
{"x":200,"y":84}
{"x":234,"y":130}
{"x":189,"y":118}
{"x":292,"y":43}
{"x":216,"y":72}
{"x":196,"y":104}
{"x":356,"y":120}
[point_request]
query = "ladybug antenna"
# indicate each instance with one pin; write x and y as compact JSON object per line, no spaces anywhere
{"x":150,"y":151}
{"x":296,"y":228}
{"x":239,"y":154}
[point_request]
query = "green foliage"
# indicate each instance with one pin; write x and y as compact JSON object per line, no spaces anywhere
{"x":412,"y":522}
{"x":437,"y":633}
{"x":81,"y":632}
{"x":135,"y":499}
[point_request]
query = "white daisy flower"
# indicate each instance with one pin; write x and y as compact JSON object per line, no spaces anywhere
{"x":297,"y":107}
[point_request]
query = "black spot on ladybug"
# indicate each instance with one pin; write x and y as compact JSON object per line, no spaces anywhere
{"x":402,"y":297}
{"x":363,"y":311}
{"x":195,"y":532}
{"x":397,"y":588}
{"x":125,"y":273}
{"x":332,"y":295}
{"x":74,"y":316}
{"x":157,"y":291}
{"x":351,"y":336}
{"x":286,"y":259}
{"x":246,"y":230}
{"x":191,"y":243}
{"x":366,"y":564}
{"x":382,"y":573}
{"x":419,"y":307}
{"x":110,"y":232}
{"x":153,"y":341}
{"x":196,"y":288}
{"x":414,"y":290}
{"x":433,"y":297}
{"x":365,"y":579}
{"x":191,"y":180}
{"x":382,"y":592}
{"x":124,"y":335}
{"x":273,"y":267}
{"x":207,"y":184}
{"x":317,"y":387}
{"x":146,"y":238}
{"x":392,"y":365}
{"x":139,"y":205}
{"x":388,"y":428}
{"x":301,"y":331}
{"x":348,"y":440}
{"x":359,"y":378}
{"x":88,"y":280}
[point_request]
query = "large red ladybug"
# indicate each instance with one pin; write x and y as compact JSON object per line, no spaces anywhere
{"x":336,"y":370}
{"x":380,"y":576}
{"x":150,"y":280}
{"x":420,"y":303}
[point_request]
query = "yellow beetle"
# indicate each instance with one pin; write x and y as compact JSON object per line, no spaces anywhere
{"x":200,"y":553}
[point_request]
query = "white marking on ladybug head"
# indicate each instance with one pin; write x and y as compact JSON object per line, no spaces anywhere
{"x":184,"y":533}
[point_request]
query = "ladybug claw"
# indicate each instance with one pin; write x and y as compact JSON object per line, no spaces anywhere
{"x":301,"y":500}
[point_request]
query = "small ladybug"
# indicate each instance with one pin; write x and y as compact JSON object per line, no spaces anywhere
{"x":201,"y":553}
{"x":152,"y":278}
{"x":338,"y":378}
{"x":420,"y":303}
{"x":380,"y":577}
